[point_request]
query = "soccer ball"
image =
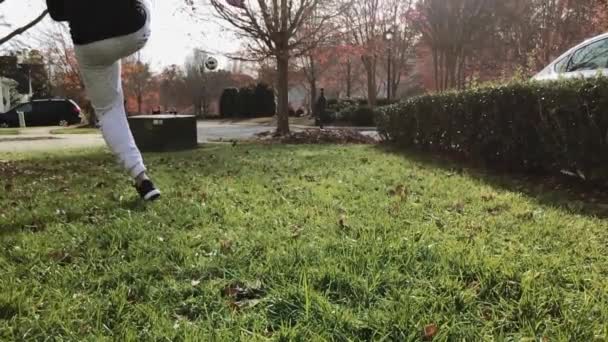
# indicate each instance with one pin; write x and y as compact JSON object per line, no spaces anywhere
{"x":211,"y":63}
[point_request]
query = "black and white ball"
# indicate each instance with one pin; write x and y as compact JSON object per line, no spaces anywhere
{"x":211,"y":63}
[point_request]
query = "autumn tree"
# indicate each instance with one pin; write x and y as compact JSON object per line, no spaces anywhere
{"x":172,"y":90}
{"x":452,"y":29}
{"x":365,"y":24}
{"x":137,"y":80}
{"x":196,"y":81}
{"x":65,"y":79}
{"x":402,"y":44}
{"x":315,"y":60}
{"x":271,"y":28}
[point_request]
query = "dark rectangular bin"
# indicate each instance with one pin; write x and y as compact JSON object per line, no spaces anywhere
{"x":157,"y":133}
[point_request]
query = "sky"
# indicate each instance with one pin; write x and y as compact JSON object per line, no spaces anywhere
{"x":174,"y":34}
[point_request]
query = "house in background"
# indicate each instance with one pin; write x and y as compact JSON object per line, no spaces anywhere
{"x":25,"y":73}
{"x":5,"y":93}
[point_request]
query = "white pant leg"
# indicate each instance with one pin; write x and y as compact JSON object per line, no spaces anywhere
{"x":101,"y":72}
{"x":105,"y":92}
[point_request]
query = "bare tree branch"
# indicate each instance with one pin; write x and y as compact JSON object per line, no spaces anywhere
{"x":23,"y":29}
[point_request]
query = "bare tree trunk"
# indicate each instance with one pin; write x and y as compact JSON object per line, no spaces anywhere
{"x":313,"y":95}
{"x":369,"y":64}
{"x":23,"y":29}
{"x":204,"y":106}
{"x":313,"y":85}
{"x":139,"y":101}
{"x":436,"y":68}
{"x":349,"y":78}
{"x":283,"y":93}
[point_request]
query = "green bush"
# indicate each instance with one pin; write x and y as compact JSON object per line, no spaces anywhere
{"x":265,"y":104}
{"x":546,"y":127}
{"x":357,"y":115}
{"x":363,"y":116}
{"x":339,"y":105}
{"x":246,"y":102}
{"x":250,"y":101}
{"x":229,"y":103}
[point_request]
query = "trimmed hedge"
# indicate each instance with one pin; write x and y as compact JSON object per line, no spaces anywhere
{"x":229,"y":102}
{"x":352,"y":111}
{"x":338,"y":105}
{"x":251,"y":101}
{"x":542,"y":127}
{"x":357,"y":115}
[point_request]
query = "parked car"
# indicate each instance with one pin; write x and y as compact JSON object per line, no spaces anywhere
{"x":48,"y":112}
{"x":588,"y":59}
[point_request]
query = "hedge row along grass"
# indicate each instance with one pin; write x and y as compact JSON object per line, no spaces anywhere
{"x":526,"y":126}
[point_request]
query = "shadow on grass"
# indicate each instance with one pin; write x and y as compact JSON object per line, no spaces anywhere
{"x":38,"y":223}
{"x":566,"y":193}
{"x":34,"y":210}
{"x":97,"y":172}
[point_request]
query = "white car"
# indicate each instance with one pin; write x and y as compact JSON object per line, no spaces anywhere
{"x":586,"y":60}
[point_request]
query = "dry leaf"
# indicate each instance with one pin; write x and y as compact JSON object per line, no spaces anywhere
{"x":226,"y":246}
{"x":342,"y":222}
{"x":429,"y":332}
{"x":296,"y":231}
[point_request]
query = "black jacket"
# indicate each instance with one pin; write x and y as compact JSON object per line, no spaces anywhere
{"x":95,"y":20}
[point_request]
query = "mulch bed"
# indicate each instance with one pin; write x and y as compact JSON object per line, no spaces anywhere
{"x":319,"y":136}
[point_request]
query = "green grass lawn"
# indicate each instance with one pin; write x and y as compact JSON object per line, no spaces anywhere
{"x":9,"y":131}
{"x":77,"y":130}
{"x":300,"y":243}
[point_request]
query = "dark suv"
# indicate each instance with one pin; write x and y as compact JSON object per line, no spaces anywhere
{"x":50,"y":112}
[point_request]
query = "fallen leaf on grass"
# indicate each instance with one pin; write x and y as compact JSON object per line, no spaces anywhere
{"x":458,"y":207}
{"x":226,"y":246}
{"x":430,"y":331}
{"x":60,"y":257}
{"x":296,"y":231}
{"x":497,"y":209}
{"x":399,"y":191}
{"x":342,"y":222}
{"x":243,"y":296}
{"x":245,"y":304}
{"x":488,"y":197}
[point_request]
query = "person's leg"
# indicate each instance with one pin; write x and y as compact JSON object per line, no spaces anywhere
{"x":104,"y":89}
{"x":101,"y":72}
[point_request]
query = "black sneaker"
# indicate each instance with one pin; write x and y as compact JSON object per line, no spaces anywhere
{"x":147,"y":191}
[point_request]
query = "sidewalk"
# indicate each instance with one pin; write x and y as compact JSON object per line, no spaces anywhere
{"x":41,"y":139}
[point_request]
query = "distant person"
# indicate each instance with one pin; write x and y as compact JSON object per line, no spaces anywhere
{"x":104,"y":32}
{"x":320,"y":108}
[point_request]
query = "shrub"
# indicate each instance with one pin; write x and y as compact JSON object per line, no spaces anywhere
{"x":251,"y":101}
{"x":357,"y":115}
{"x":229,"y":103}
{"x":547,"y":127}
{"x":264,"y":100}
{"x":363,"y":116}
{"x":342,"y":105}
{"x":247,"y":102}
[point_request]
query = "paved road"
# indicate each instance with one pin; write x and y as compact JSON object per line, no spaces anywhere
{"x":218,"y":130}
{"x":215,"y":130}
{"x":40,"y":138}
